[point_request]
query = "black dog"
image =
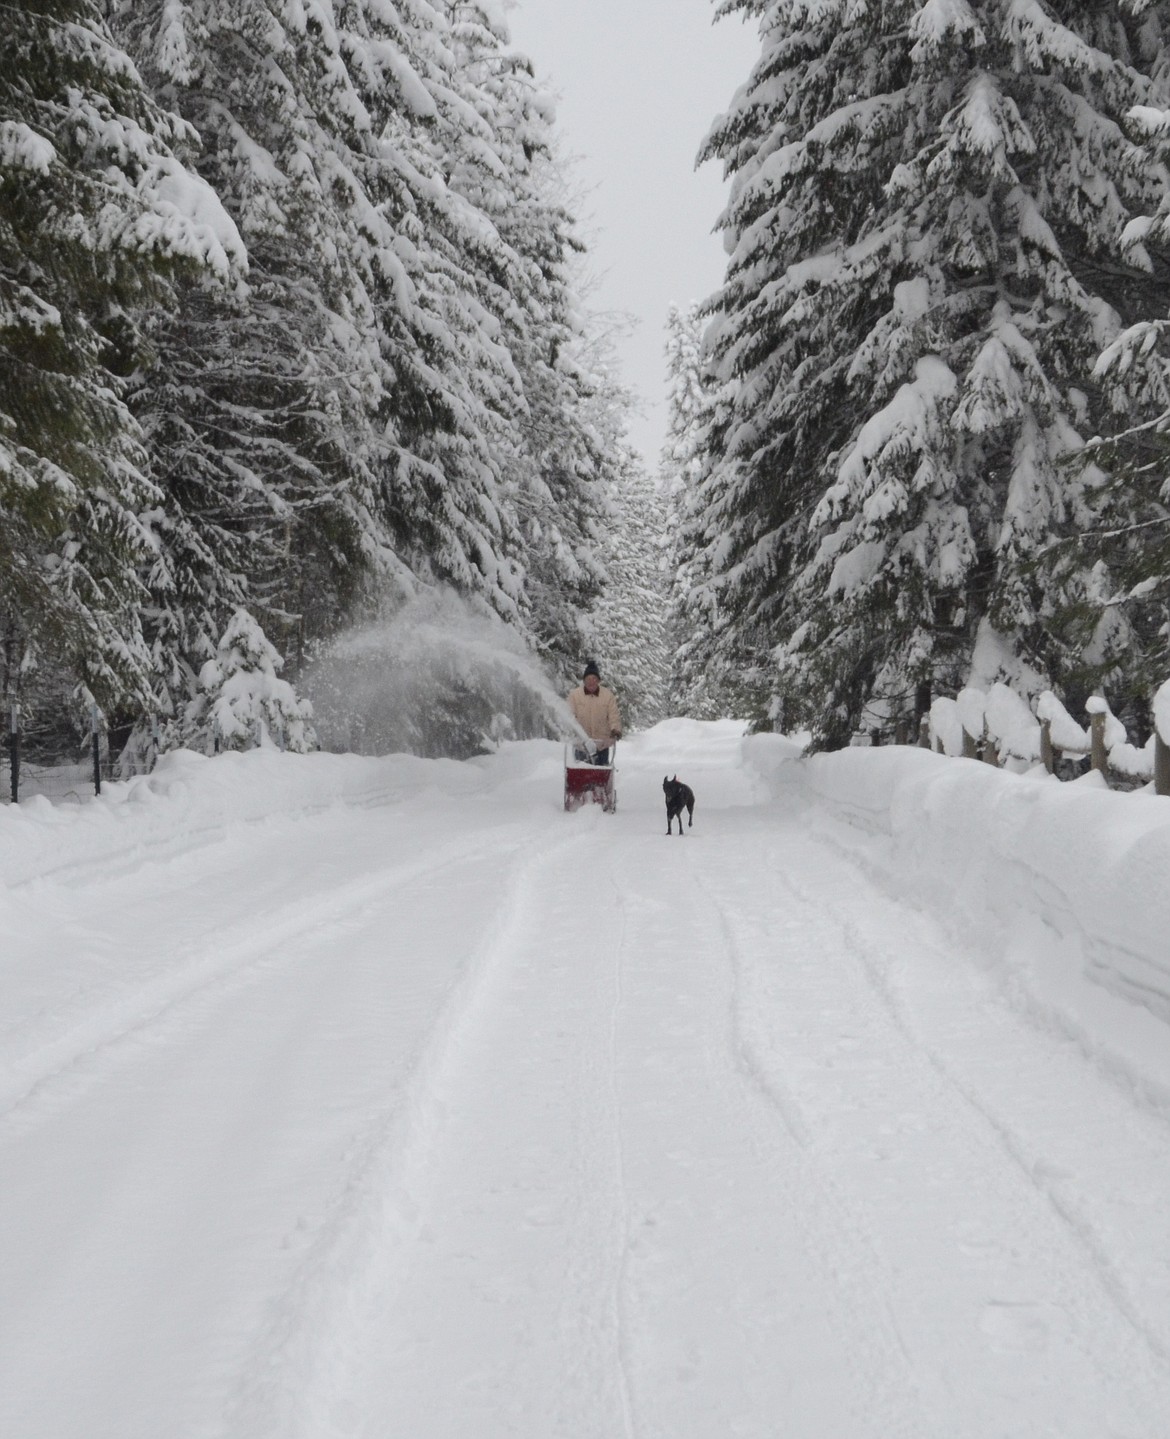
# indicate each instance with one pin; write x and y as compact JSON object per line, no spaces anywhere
{"x":679,"y":796}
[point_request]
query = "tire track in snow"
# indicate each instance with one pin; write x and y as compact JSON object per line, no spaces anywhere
{"x":744,"y":1313}
{"x":620,"y":1325}
{"x":1082,"y":1290}
{"x":835,"y":831}
{"x":55,"y":1073}
{"x":833,"y":1228}
{"x":877,"y":964}
{"x":300,"y":1380}
{"x":118,"y":860}
{"x":1030,"y":1165}
{"x":1046,"y":1026}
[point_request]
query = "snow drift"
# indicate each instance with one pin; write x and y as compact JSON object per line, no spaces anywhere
{"x":191,"y":799}
{"x":1061,"y":886}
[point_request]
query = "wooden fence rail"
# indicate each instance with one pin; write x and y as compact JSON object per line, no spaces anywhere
{"x":1000,"y":727}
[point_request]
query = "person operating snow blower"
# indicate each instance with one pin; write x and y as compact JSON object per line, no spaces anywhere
{"x":595,"y":709}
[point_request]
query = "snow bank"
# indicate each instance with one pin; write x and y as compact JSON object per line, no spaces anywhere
{"x":1011,"y":725}
{"x":190,"y":800}
{"x":972,"y":707}
{"x":1162,"y":712}
{"x":946,"y":726}
{"x":1061,"y":886}
{"x":1127,"y":759}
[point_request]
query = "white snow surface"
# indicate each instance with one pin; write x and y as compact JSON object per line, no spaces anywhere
{"x":1066,"y":733}
{"x":367,"y":1097}
{"x":946,"y":725}
{"x":1011,"y":724}
{"x":1114,"y":729}
{"x":972,"y":707}
{"x":1162,"y":712}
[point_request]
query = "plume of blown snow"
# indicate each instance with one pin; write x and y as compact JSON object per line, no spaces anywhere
{"x":437,"y":678}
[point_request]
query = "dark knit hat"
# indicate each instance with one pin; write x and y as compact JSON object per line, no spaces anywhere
{"x":591,"y":669}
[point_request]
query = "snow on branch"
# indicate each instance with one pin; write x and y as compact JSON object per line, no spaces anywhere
{"x":941,"y":22}
{"x":23,"y":149}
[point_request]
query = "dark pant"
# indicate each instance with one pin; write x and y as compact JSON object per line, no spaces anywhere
{"x":583,"y":756}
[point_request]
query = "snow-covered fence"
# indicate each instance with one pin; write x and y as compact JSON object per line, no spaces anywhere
{"x":28,"y":768}
{"x":241,"y":704}
{"x":1000,"y":728}
{"x":28,"y":771}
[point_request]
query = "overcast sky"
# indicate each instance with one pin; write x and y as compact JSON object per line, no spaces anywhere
{"x":639,"y":83}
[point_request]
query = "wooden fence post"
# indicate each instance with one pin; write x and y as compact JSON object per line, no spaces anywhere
{"x":1100,"y":754}
{"x":1161,"y":765}
{"x":924,"y":732}
{"x":970,"y":745}
{"x":990,"y":751}
{"x":14,"y":750}
{"x":1047,"y":755}
{"x":95,"y":734}
{"x":923,"y":695}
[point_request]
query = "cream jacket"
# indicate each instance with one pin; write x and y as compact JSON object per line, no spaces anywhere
{"x":596,"y":714}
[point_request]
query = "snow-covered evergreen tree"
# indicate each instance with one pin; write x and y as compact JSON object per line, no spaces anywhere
{"x":687,"y":397}
{"x":926,"y":207}
{"x":374,"y":411}
{"x":285,"y":416}
{"x":453,"y":259}
{"x":1121,"y":601}
{"x":630,"y":620}
{"x":699,"y":685}
{"x":97,"y":213}
{"x":242,"y":703}
{"x":564,"y":453}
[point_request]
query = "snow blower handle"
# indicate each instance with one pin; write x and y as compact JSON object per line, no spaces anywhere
{"x":584,"y":745}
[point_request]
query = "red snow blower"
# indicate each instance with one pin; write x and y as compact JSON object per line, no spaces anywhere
{"x":588,"y":783}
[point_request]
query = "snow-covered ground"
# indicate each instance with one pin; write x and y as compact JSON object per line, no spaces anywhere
{"x":381,"y":1098}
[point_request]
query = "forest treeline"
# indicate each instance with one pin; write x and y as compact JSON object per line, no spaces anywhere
{"x":290,"y":330}
{"x":919,"y":436}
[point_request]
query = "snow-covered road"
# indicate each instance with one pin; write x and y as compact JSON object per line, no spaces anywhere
{"x":451,"y":1116}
